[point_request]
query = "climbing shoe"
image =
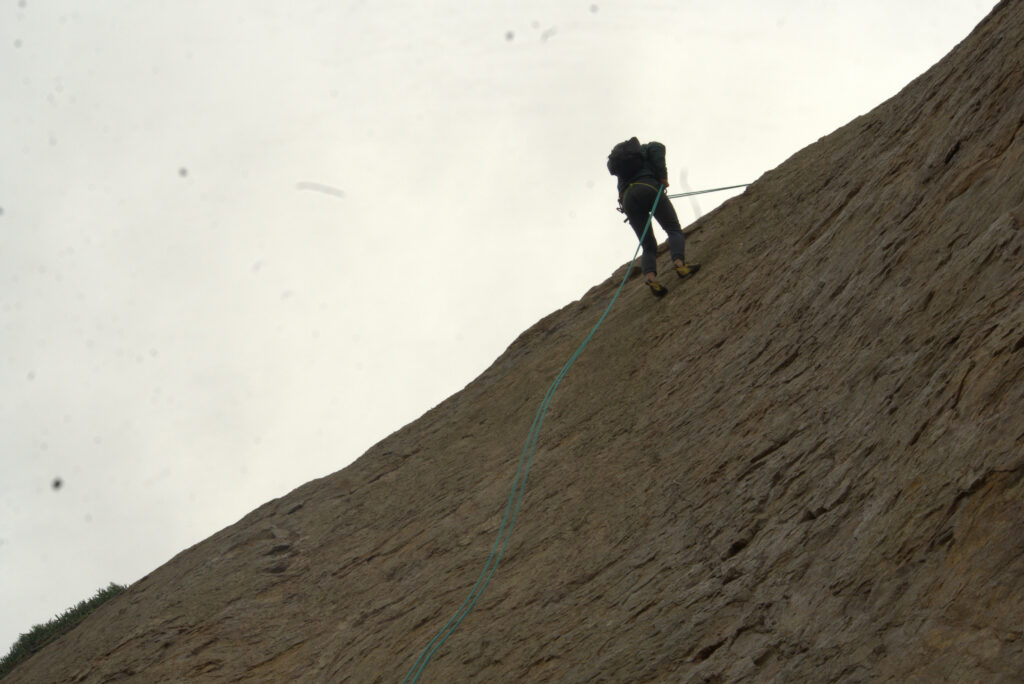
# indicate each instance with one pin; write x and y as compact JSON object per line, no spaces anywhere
{"x":687,"y":270}
{"x":657,"y":289}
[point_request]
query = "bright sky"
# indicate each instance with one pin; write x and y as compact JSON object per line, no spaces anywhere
{"x":244,"y":240}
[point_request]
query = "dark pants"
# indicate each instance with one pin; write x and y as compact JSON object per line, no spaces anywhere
{"x":636,"y":202}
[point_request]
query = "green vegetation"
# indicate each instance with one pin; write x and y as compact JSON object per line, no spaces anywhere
{"x":41,"y":635}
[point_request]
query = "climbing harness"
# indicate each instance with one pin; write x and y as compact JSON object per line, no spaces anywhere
{"x":680,"y":194}
{"x":515,"y":497}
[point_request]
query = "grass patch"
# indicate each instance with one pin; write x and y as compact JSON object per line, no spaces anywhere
{"x":40,"y":635}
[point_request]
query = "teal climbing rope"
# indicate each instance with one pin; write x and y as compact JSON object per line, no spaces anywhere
{"x":515,"y":497}
{"x":704,"y":192}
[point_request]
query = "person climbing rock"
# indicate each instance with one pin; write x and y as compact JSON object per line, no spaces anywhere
{"x":640,"y":170}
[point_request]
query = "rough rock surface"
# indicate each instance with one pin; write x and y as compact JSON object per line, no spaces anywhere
{"x":805,"y":464}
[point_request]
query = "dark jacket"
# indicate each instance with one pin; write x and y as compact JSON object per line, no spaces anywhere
{"x":654,"y":167}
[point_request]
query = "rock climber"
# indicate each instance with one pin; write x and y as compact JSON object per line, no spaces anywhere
{"x":640,"y":169}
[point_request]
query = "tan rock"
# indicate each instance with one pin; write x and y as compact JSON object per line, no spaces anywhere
{"x":805,"y":464}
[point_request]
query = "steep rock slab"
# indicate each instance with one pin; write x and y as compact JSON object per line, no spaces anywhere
{"x":806,"y":464}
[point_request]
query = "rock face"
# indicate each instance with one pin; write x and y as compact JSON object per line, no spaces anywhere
{"x":805,"y":464}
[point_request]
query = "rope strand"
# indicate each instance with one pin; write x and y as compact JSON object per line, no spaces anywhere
{"x":518,"y":485}
{"x":702,"y":192}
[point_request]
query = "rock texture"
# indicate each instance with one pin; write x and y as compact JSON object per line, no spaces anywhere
{"x":805,"y":464}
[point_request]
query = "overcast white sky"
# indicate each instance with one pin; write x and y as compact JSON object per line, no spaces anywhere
{"x":244,"y":240}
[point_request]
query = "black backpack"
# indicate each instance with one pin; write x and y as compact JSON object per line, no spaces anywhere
{"x":626,"y":158}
